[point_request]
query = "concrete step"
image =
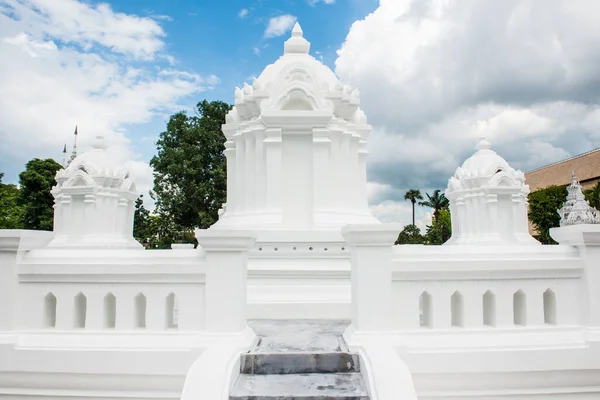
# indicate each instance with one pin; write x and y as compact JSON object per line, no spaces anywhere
{"x":340,"y":386}
{"x":298,"y":363}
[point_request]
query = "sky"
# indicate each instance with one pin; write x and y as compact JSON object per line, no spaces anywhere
{"x":434,"y":76}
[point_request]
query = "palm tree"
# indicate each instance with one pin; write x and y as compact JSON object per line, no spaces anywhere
{"x":437,"y":201}
{"x":413,"y":195}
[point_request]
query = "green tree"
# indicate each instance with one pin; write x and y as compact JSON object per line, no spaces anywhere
{"x":190,"y":180}
{"x":543,"y":210}
{"x":440,"y":229}
{"x":593,"y":196}
{"x":437,"y":201}
{"x":36,"y":182}
{"x":413,"y":195}
{"x":11,"y":212}
{"x":141,"y":222}
{"x":411,"y":234}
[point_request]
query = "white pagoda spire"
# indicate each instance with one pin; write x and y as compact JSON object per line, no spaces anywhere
{"x":576,"y":209}
{"x":74,"y":152}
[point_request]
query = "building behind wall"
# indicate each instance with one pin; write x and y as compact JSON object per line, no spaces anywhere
{"x":586,"y":166}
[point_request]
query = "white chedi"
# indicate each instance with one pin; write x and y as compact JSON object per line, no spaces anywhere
{"x":94,"y":202}
{"x":296,"y":148}
{"x":576,"y":210}
{"x":488,"y":201}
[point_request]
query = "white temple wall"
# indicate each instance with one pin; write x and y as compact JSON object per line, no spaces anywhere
{"x":484,"y":293}
{"x":113,"y":294}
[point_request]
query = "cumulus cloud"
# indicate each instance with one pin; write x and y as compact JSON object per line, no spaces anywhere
{"x":435,"y":75}
{"x":280,"y":25}
{"x":243,"y":13}
{"x":67,"y":63}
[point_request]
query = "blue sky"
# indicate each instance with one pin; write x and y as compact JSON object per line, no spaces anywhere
{"x":434,"y":76}
{"x":224,"y":39}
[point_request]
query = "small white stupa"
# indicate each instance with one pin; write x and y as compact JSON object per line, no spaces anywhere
{"x":488,"y":201}
{"x":94,"y":202}
{"x":296,"y":149}
{"x":576,"y":209}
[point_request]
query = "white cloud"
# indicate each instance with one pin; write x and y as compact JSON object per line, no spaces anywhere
{"x":66,"y":63}
{"x":243,"y":13}
{"x":435,"y":75}
{"x":280,"y":25}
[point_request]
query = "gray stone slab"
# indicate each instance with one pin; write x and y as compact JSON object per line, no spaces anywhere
{"x":347,"y":386}
{"x":299,"y":335}
{"x":298,"y":363}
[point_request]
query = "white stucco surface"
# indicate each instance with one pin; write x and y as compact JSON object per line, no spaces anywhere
{"x":85,"y":312}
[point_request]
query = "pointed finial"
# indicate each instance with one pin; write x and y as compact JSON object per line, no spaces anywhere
{"x":297,"y":30}
{"x":483,"y":144}
{"x":573,"y":177}
{"x":296,"y":44}
{"x":74,"y":152}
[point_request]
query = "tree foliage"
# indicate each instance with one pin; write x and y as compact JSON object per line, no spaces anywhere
{"x":437,"y":201}
{"x":411,"y":234}
{"x":11,"y":211}
{"x":142,"y":231}
{"x":189,"y":168}
{"x":543,"y":210}
{"x":413,"y":195}
{"x":440,"y":229}
{"x":593,"y":196}
{"x":35,"y":184}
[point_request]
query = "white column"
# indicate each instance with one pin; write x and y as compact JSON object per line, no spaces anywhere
{"x":371,"y":275}
{"x":345,"y":200}
{"x":353,"y":172}
{"x":361,"y":177}
{"x":122,"y":217}
{"x":259,"y":177}
{"x":335,"y":193}
{"x":321,"y":171}
{"x":272,"y":145}
{"x":493,"y":227}
{"x":231,"y":176}
{"x":57,"y":226}
{"x":94,"y":317}
{"x":67,"y":212}
{"x":587,"y":239}
{"x":249,"y":168}
{"x":226,"y":269}
{"x":240,"y":162}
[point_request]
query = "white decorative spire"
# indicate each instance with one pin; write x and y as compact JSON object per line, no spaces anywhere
{"x":576,"y":209}
{"x":483,"y":144}
{"x":74,"y":152}
{"x":296,"y":44}
{"x":64,"y":163}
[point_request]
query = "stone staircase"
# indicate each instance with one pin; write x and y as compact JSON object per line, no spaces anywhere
{"x":305,"y":360}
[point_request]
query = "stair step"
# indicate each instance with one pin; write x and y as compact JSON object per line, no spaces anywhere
{"x":298,"y":363}
{"x":340,"y":386}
